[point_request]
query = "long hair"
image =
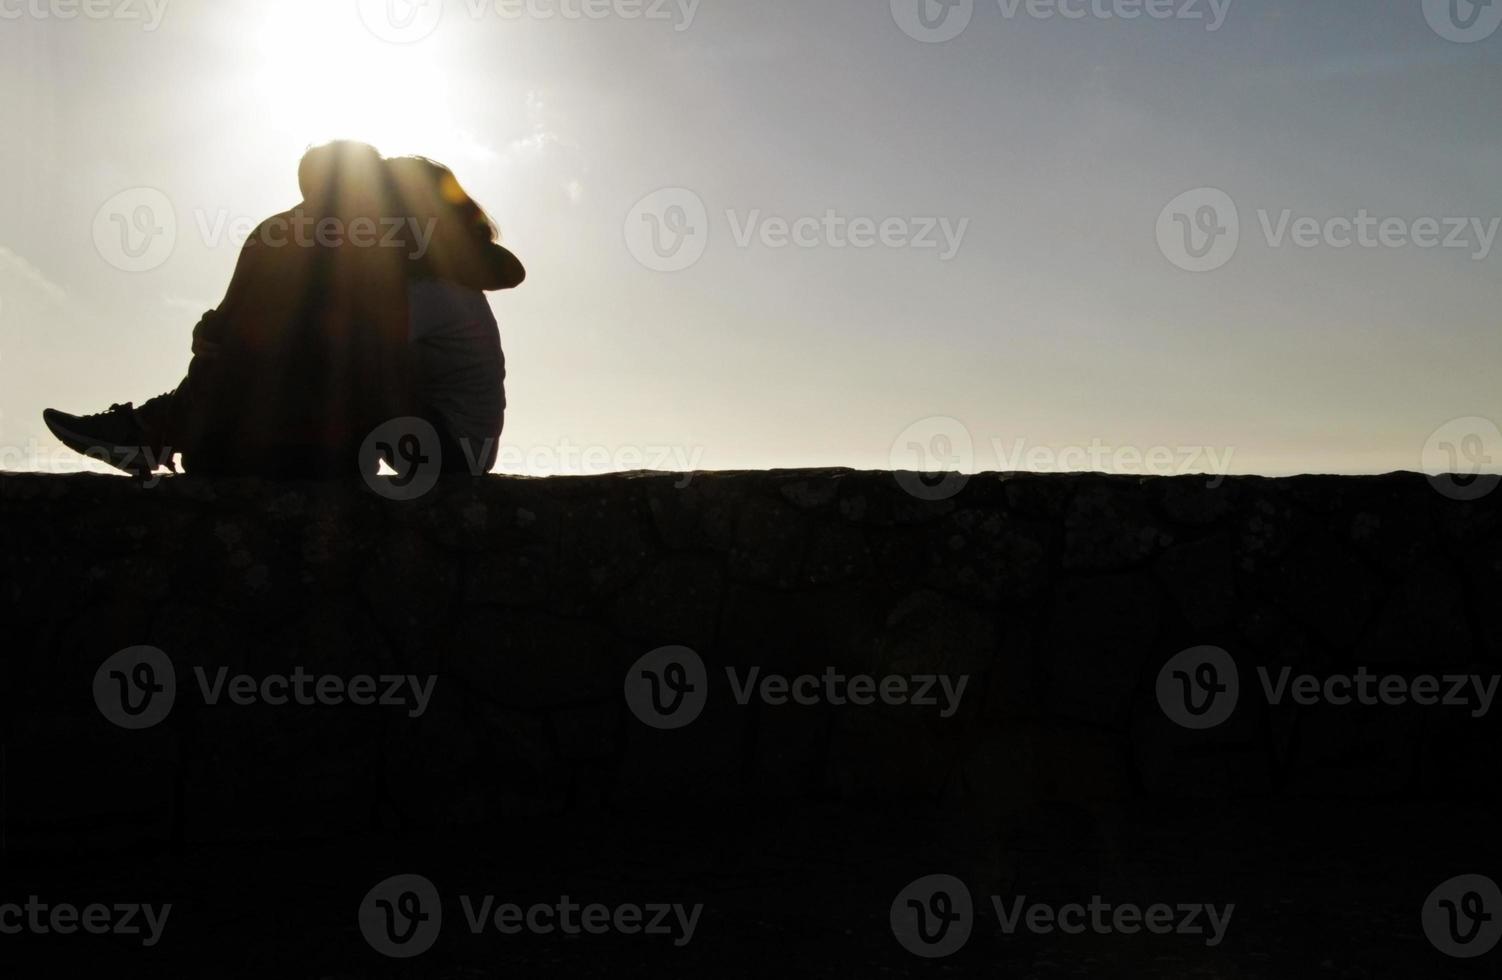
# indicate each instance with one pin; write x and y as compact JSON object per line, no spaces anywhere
{"x":439,"y":209}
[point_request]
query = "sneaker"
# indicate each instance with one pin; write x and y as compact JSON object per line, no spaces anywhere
{"x":116,"y":437}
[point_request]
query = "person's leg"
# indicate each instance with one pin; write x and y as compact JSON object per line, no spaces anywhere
{"x":141,"y":439}
{"x":156,"y":419}
{"x":124,"y":436}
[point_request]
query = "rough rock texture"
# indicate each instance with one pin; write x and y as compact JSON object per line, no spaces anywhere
{"x":1060,"y":597}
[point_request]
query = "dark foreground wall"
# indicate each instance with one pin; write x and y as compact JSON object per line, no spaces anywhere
{"x":525,"y":603}
{"x":1268,"y":694}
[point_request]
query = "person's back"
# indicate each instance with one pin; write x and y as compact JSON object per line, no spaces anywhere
{"x":456,"y":344}
{"x":312,"y":344}
{"x":312,"y":356}
{"x":460,"y":370}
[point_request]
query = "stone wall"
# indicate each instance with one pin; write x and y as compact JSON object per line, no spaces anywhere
{"x":1058,"y":599}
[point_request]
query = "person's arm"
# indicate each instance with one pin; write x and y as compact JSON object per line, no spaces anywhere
{"x":250,"y":274}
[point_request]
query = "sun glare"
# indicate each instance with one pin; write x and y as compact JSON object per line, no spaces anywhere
{"x":323,"y":76}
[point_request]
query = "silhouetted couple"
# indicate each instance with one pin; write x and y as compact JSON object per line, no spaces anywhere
{"x":362,"y":305}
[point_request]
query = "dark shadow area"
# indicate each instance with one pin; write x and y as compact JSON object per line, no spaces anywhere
{"x":784,"y":699}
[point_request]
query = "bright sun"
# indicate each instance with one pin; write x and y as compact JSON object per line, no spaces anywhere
{"x":323,"y":76}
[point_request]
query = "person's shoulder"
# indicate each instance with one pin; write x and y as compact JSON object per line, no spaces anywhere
{"x":276,"y":230}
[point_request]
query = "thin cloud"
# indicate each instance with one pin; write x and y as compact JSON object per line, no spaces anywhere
{"x":15,"y":265}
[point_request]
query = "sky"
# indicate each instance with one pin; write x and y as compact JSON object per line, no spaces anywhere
{"x":1248,"y":236}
